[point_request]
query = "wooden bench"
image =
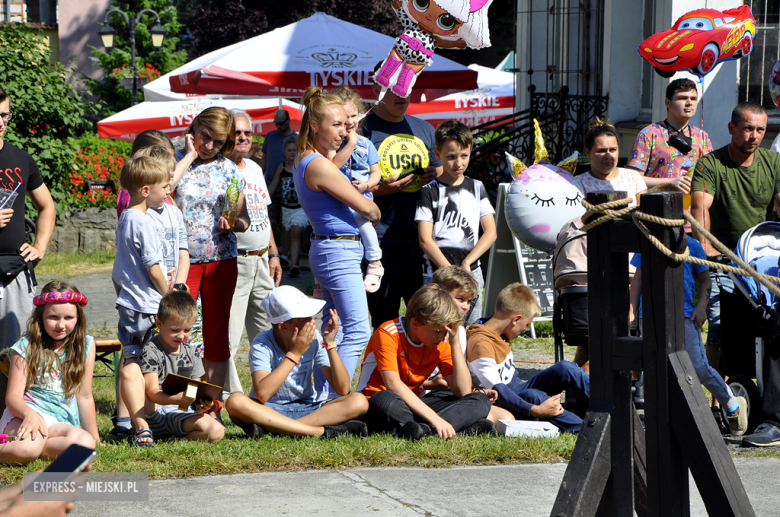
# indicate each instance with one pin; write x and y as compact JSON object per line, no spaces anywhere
{"x":105,"y":348}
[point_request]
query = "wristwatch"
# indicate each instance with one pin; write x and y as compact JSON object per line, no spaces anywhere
{"x":274,"y":255}
{"x":181,"y":287}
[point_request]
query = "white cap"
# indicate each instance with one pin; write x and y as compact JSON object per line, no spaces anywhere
{"x":286,"y":302}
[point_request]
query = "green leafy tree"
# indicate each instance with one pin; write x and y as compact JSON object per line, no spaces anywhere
{"x":114,"y":96}
{"x":48,"y":112}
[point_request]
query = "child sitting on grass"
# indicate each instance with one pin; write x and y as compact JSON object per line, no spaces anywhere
{"x":462,"y":288}
{"x":49,"y":395}
{"x":490,"y":358}
{"x":358,"y":160}
{"x":168,"y":353}
{"x":402,"y":354}
{"x":695,"y":316}
{"x":451,"y":209}
{"x":282,"y":361}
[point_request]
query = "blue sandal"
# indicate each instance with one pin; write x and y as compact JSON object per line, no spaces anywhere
{"x":144,"y":433}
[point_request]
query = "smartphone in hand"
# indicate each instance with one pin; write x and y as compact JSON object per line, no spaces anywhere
{"x":415,"y":172}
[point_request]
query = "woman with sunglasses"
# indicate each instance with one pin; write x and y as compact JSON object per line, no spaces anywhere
{"x":201,"y":196}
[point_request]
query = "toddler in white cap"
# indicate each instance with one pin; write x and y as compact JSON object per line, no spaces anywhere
{"x":282,"y":361}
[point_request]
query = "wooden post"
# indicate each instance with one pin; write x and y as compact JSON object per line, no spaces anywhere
{"x":664,"y":333}
{"x":616,"y":466}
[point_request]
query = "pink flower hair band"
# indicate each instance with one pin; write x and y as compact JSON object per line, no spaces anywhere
{"x":60,"y":297}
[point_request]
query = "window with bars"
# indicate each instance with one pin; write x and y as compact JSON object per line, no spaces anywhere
{"x":756,"y":68}
{"x":648,"y":75}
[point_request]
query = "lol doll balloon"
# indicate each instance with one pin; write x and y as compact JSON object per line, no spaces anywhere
{"x":428,"y":24}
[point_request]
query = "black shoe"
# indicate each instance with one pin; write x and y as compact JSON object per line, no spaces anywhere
{"x":413,"y":431}
{"x":118,"y":434}
{"x":333,"y":431}
{"x":252,"y":431}
{"x":481,"y":426}
{"x":357,"y":428}
{"x":295,"y":272}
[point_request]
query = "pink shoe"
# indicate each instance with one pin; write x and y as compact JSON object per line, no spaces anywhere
{"x":373,"y":278}
{"x":405,"y":81}
{"x":388,"y":70}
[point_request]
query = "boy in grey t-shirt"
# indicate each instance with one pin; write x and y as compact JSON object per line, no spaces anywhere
{"x":138,"y":278}
{"x":167,"y":354}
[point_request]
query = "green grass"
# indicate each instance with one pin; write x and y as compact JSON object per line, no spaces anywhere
{"x":59,"y":264}
{"x":236,"y":454}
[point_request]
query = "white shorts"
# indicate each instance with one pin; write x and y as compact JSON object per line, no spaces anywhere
{"x":294,"y":217}
{"x":7,"y":417}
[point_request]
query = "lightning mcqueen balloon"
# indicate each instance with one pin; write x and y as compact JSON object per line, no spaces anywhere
{"x":700,"y":40}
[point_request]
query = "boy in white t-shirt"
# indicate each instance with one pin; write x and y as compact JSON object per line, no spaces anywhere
{"x":451,"y":209}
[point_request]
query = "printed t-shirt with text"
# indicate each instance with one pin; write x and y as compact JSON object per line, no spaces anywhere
{"x":257,"y":200}
{"x":742,"y":196}
{"x":402,"y":147}
{"x":455,"y":212}
{"x":18,"y":171}
{"x":390,"y":349}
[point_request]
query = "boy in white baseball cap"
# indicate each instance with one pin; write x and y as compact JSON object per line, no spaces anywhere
{"x":282,"y":360}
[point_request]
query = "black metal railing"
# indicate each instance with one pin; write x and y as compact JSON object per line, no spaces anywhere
{"x":563,"y":120}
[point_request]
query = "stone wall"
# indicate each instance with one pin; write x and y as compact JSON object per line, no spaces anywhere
{"x":84,"y":231}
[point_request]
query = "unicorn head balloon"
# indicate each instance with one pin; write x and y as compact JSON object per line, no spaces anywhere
{"x":542,"y":198}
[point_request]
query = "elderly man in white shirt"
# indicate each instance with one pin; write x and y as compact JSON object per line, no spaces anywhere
{"x":259,"y":269}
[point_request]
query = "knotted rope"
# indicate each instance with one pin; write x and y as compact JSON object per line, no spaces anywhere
{"x":605,"y":212}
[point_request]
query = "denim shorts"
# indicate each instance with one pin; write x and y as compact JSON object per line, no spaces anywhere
{"x":294,"y":410}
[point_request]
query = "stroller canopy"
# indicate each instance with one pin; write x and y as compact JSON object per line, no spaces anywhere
{"x":760,"y":247}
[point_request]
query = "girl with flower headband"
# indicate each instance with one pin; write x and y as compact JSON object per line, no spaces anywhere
{"x":49,"y":397}
{"x":428,"y":24}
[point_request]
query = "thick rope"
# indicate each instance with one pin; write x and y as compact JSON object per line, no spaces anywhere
{"x":637,"y":217}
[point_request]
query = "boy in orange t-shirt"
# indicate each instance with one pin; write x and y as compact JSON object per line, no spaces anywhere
{"x":401,"y":355}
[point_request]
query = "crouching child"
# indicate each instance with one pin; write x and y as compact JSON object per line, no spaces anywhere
{"x":490,"y":358}
{"x":168,"y":353}
{"x":282,"y":361}
{"x":402,"y":354}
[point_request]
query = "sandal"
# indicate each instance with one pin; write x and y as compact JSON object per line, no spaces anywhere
{"x":144,"y":433}
{"x":373,"y":278}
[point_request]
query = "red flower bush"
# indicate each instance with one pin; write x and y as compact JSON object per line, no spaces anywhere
{"x":104,"y":163}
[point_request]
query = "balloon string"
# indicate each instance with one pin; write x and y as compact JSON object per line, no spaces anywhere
{"x":701,"y":81}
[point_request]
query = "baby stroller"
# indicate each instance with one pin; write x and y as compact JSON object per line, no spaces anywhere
{"x":749,"y":318}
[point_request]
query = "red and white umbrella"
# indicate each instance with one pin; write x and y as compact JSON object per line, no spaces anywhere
{"x":494,"y":98}
{"x":174,"y":117}
{"x":317,"y":51}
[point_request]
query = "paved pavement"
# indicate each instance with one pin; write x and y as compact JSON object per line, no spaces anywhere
{"x":526,"y":490}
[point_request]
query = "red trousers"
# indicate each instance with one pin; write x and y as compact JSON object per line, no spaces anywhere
{"x":215,"y":281}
